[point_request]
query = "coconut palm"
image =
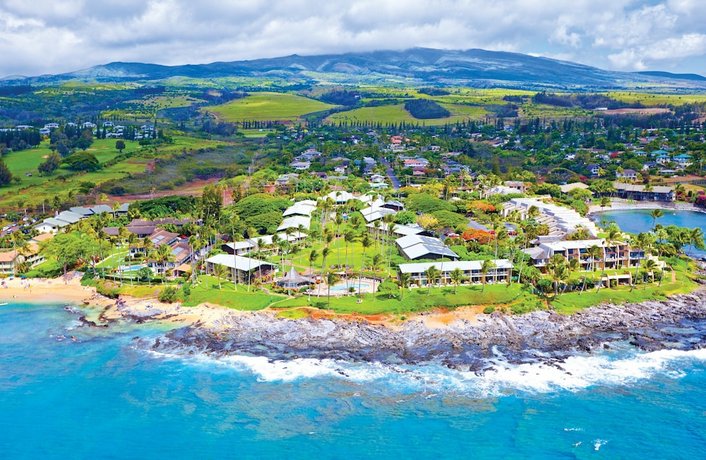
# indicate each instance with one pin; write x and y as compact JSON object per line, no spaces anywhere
{"x":404,"y":282}
{"x":650,"y":266}
{"x":487,"y":266}
{"x":457,"y":277}
{"x":656,"y":214}
{"x":313,"y":255}
{"x":432,"y":274}
{"x":557,"y":268}
{"x":330,"y":280}
{"x":221,"y":271}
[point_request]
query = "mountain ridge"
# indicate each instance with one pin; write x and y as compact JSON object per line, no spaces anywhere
{"x":473,"y":67}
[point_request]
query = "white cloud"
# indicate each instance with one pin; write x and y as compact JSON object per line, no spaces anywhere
{"x":54,"y":36}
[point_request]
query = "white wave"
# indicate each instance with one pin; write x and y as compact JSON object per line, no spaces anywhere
{"x":573,"y":374}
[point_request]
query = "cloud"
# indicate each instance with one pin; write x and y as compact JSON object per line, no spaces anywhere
{"x":55,"y":36}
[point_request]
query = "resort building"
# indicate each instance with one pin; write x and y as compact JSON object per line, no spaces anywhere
{"x":611,"y":255}
{"x":560,"y":220}
{"x":240,"y":268}
{"x":372,"y":214}
{"x":501,"y":271}
{"x":414,"y":247}
{"x":300,"y":209}
{"x":640,"y":192}
{"x":295,"y":222}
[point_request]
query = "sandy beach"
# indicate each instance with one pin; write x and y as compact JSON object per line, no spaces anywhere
{"x":624,"y":205}
{"x":48,"y":290}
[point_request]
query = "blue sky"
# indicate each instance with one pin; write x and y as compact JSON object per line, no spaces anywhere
{"x":52,"y":36}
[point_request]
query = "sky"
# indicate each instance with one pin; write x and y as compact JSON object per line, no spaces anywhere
{"x":54,"y":36}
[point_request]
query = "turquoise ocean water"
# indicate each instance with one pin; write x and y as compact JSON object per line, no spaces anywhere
{"x":641,"y":221}
{"x":105,"y":396}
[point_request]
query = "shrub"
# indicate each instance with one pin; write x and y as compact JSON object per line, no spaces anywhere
{"x":168,"y":294}
{"x":488,"y":310}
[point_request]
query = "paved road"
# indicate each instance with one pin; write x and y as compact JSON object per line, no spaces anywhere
{"x":391,"y":174}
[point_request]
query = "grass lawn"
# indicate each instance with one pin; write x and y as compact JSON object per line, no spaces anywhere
{"x":114,"y":259}
{"x":268,"y":106}
{"x":396,"y":114}
{"x":416,"y":300}
{"x":683,"y":283}
{"x":230,"y":296}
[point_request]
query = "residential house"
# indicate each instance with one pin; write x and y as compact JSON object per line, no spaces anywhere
{"x":241,"y":269}
{"x":414,"y":247}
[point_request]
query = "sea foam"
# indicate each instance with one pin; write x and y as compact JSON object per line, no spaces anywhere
{"x":573,"y":374}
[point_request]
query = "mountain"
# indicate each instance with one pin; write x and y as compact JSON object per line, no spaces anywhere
{"x":674,"y":76}
{"x":472,"y":67}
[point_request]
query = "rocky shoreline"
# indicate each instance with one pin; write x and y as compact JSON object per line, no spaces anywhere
{"x":542,"y":336}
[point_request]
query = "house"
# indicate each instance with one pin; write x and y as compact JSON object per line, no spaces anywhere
{"x":373,"y":213}
{"x":560,"y":220}
{"x":627,"y":174}
{"x":394,"y":205}
{"x":683,"y":160}
{"x":340,"y":197}
{"x":414,"y":247}
{"x":240,"y":269}
{"x":9,"y":261}
{"x":594,"y":170}
{"x":160,"y":237}
{"x":300,"y":209}
{"x":300,"y":165}
{"x":239,"y":248}
{"x":639,"y":192}
{"x":295,"y":222}
{"x":501,"y":271}
{"x":566,"y":188}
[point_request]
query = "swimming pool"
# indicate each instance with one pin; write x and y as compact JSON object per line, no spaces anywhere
{"x":131,"y":268}
{"x":365,"y":286}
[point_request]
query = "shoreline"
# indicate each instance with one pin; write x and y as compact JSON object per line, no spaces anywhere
{"x":465,"y":340}
{"x":624,"y":205}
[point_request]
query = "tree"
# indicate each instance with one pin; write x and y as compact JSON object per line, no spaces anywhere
{"x":656,"y":214}
{"x":5,"y":174}
{"x":457,"y":278}
{"x":312,"y":258}
{"x":211,"y":203}
{"x":49,"y":165}
{"x":120,"y":145}
{"x":404,"y":282}
{"x":82,"y":161}
{"x":558,"y":269}
{"x":433,"y":275}
{"x":487,"y":266}
{"x":330,"y":279}
{"x":221,"y":271}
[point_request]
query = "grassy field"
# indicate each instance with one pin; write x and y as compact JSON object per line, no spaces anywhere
{"x":231,"y":296}
{"x":268,"y":106}
{"x":33,"y":188}
{"x":682,"y":284}
{"x":397,"y":114}
{"x":417,"y":300}
{"x":650,"y":99}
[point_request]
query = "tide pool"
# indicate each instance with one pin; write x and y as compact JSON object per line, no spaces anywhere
{"x":101,"y":395}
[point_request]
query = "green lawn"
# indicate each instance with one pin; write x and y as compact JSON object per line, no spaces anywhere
{"x":239,"y":298}
{"x":683,"y":283}
{"x":417,"y":300}
{"x":267,"y":106}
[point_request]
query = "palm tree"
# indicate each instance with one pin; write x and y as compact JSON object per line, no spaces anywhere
{"x":650,"y":266}
{"x":432,"y":274}
{"x":330,"y":279}
{"x":348,"y":237}
{"x":404,"y":282}
{"x":221,"y":271}
{"x":696,"y":238}
{"x":457,"y":278}
{"x":557,"y":267}
{"x":656,"y":214}
{"x":487,"y":266}
{"x":312,"y":258}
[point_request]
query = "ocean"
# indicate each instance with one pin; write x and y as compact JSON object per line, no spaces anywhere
{"x":636,"y":221}
{"x":75,"y":392}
